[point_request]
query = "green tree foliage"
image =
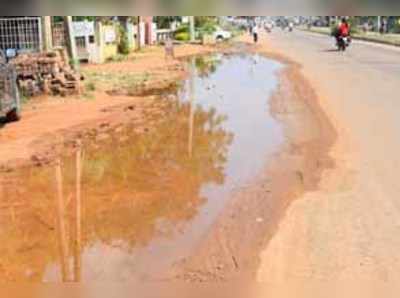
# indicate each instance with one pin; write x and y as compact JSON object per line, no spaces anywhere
{"x":182,"y":33}
{"x":123,"y":44}
{"x":164,"y":22}
{"x":201,"y":21}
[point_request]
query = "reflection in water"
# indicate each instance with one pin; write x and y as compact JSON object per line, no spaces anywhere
{"x":78,"y":216}
{"x":191,"y":114}
{"x":206,"y":65}
{"x":129,"y":183}
{"x":127,"y":205}
{"x":61,"y":225}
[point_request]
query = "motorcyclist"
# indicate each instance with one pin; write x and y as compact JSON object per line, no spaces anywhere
{"x":344,"y":29}
{"x":291,"y":25}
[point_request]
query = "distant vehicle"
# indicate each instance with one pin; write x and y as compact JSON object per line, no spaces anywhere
{"x":221,"y":34}
{"x":10,"y":104}
{"x":268,"y":27}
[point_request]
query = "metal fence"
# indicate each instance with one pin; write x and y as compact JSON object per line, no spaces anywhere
{"x":164,"y":34}
{"x":21,"y":33}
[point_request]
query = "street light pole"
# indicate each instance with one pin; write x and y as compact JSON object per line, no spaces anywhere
{"x":379,"y":22}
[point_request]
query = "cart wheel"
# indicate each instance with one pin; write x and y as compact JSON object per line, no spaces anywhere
{"x":13,"y":116}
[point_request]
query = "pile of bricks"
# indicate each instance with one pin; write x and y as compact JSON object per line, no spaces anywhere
{"x":46,"y":73}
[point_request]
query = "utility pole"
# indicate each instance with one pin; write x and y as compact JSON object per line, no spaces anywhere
{"x":99,"y":39}
{"x":379,"y":23}
{"x":139,"y":35}
{"x":47,"y":33}
{"x":71,"y":42}
{"x":192,"y":29}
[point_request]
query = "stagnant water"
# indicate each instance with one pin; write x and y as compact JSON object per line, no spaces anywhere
{"x":146,"y":200}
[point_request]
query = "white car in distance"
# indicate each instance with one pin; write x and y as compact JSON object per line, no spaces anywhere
{"x":221,"y":34}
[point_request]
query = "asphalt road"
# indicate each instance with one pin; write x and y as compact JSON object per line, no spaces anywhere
{"x":374,"y":56}
{"x":349,"y":229}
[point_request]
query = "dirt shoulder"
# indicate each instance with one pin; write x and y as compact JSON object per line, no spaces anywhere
{"x":114,"y":92}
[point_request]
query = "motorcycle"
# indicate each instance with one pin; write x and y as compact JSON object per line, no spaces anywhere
{"x":342,"y":42}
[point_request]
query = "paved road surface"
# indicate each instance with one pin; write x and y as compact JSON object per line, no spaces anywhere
{"x":348,"y":230}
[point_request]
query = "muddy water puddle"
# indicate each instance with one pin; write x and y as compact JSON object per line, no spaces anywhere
{"x":131,"y":205}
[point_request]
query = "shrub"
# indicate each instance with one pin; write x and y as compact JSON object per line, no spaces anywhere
{"x":90,"y":86}
{"x":208,"y":28}
{"x":396,"y":27}
{"x":182,"y":29}
{"x":117,"y":58}
{"x":183,"y":36}
{"x":123,"y":45}
{"x":182,"y":33}
{"x":202,"y":21}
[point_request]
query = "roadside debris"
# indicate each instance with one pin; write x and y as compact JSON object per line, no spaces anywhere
{"x":46,"y":73}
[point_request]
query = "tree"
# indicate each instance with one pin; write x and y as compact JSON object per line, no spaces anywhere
{"x":200,"y":21}
{"x":164,"y":22}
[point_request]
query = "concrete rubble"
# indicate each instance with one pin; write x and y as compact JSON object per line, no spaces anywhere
{"x":46,"y":73}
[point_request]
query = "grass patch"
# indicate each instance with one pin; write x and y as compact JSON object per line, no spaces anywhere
{"x":24,"y":99}
{"x":116,"y":81}
{"x":118,"y":58}
{"x":90,"y":86}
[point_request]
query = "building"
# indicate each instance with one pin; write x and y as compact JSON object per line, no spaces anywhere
{"x":95,"y":39}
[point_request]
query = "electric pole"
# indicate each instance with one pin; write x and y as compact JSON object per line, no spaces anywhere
{"x":379,"y":23}
{"x":192,"y":29}
{"x":71,"y":44}
{"x":47,"y":33}
{"x":139,"y":37}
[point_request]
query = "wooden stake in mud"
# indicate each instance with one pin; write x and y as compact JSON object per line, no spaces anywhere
{"x":78,"y":215}
{"x":62,"y":232}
